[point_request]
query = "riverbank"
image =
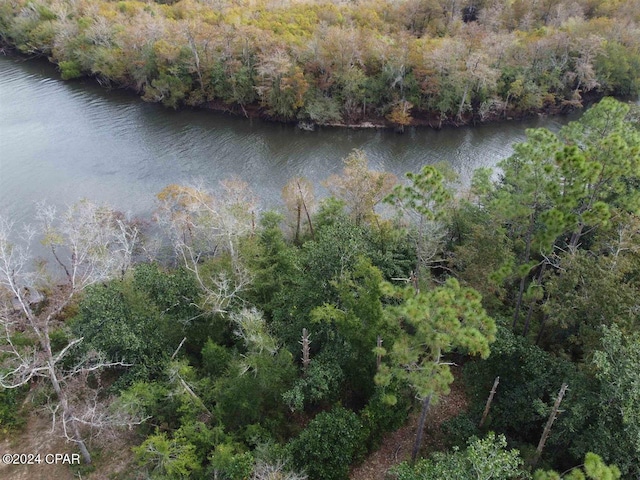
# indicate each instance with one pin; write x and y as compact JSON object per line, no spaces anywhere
{"x":373,"y":64}
{"x":419,"y":119}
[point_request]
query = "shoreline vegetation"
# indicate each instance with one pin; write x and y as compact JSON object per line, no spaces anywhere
{"x":366,"y":64}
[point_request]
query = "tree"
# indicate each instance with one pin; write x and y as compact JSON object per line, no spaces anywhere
{"x":589,"y":289}
{"x":299,"y":199}
{"x":167,"y":456}
{"x":328,"y":445}
{"x":598,"y":167}
{"x":274,"y":471}
{"x":360,"y":188}
{"x":400,"y":114}
{"x":483,"y":459}
{"x":424,"y":202}
{"x":523,"y":197}
{"x":435,"y":323}
{"x":90,"y":245}
{"x":201,"y":224}
{"x":594,"y":468}
{"x":121,"y":321}
{"x":614,"y":433}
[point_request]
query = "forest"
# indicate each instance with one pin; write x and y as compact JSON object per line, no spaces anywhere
{"x":235,"y":343}
{"x":329,"y":62}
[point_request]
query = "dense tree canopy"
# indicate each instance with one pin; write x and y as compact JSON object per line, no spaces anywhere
{"x":329,"y":62}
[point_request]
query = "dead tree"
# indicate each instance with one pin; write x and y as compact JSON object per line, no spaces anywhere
{"x":201,"y":224}
{"x":89,"y":244}
{"x":489,"y":400}
{"x":547,"y":427}
{"x":305,"y":350}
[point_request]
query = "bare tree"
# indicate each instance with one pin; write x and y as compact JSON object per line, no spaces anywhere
{"x":361,"y":188}
{"x":203,"y":224}
{"x":89,"y":244}
{"x":299,"y":199}
{"x":274,"y":471}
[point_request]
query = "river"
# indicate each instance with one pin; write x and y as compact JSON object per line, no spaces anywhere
{"x":64,"y":141}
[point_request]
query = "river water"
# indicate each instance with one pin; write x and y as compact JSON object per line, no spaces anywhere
{"x":64,"y":141}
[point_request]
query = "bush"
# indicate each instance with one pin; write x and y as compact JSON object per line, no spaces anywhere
{"x":70,"y":69}
{"x":459,"y":429}
{"x":378,"y":417}
{"x":329,"y":445}
{"x":119,"y":320}
{"x":215,"y":359}
{"x":11,"y":416}
{"x":228,"y":464}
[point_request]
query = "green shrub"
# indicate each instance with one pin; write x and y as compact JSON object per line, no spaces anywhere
{"x":11,"y":416}
{"x":460,"y":428}
{"x":215,"y":359}
{"x":378,"y":417}
{"x":228,"y":464}
{"x":70,"y":69}
{"x":329,"y":445}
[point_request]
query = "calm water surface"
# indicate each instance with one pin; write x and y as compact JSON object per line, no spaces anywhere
{"x":64,"y":141}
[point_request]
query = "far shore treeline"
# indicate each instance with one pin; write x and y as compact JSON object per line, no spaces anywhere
{"x":319,"y":62}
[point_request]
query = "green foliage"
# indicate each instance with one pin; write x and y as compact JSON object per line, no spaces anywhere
{"x":274,"y":265}
{"x":328,"y":445}
{"x":594,"y":468}
{"x":529,"y":382}
{"x":320,"y":384}
{"x":459,"y":429}
{"x":601,"y":158}
{"x":586,"y":292}
{"x":427,"y":194}
{"x":166,"y":458}
{"x":485,"y":458}
{"x":119,"y":320}
{"x":246,"y":397}
{"x":174,"y":292}
{"x":215,"y":359}
{"x":70,"y":69}
{"x":379,"y":418}
{"x":229,"y":464}
{"x":436,"y":323}
{"x":483,"y":255}
{"x":12,"y":415}
{"x":614,"y":429}
{"x":618,"y":70}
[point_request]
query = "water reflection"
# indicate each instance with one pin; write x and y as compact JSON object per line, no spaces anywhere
{"x":62,"y":141}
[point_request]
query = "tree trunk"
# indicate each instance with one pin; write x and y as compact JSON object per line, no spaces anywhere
{"x":298,"y":220}
{"x":462,"y":102}
{"x":547,"y":427}
{"x":542,"y":325}
{"x":527,"y":255}
{"x":516,"y":313}
{"x":489,"y":400}
{"x":81,"y":445}
{"x":576,"y":236}
{"x":527,"y":322}
{"x":305,"y":350}
{"x":423,"y":416}
{"x":306,"y":211}
{"x":67,"y":415}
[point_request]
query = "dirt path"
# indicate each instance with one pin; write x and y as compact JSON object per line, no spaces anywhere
{"x":396,"y":447}
{"x":36,"y":438}
{"x":115,"y":459}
